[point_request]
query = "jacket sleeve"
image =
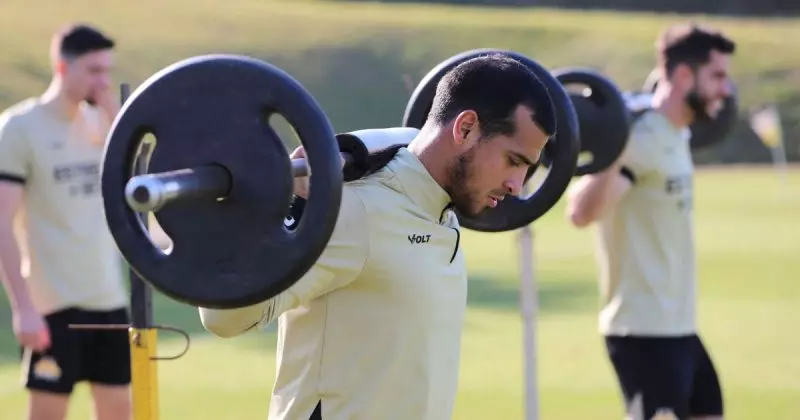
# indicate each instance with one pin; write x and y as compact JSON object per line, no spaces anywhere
{"x":339,"y":264}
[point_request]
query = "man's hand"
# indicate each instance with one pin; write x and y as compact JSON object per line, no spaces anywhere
{"x":96,"y":130}
{"x":107,"y":101}
{"x":590,"y":196}
{"x":301,"y":183}
{"x":31,"y":330}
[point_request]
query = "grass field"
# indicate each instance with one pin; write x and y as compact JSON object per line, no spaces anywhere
{"x":367,"y":48}
{"x":748,"y":240}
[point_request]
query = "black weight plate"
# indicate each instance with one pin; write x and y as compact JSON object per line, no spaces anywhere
{"x":561,"y":151}
{"x":215,"y":109}
{"x":603,"y":117}
{"x":707,"y":132}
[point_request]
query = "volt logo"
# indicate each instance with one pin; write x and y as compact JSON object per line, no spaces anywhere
{"x":419,"y":239}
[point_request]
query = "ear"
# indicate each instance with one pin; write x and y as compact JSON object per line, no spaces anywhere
{"x":61,"y":66}
{"x":466,"y":128}
{"x":684,"y":77}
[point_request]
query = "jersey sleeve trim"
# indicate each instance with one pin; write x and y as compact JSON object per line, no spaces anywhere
{"x":627,"y":173}
{"x":16,"y":179}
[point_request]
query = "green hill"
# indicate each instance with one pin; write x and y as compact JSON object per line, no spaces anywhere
{"x":355,"y":58}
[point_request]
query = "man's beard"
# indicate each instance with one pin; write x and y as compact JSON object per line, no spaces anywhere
{"x":698,"y":105}
{"x":459,"y":175}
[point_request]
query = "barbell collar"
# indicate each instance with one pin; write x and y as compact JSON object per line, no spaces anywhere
{"x":151,"y":192}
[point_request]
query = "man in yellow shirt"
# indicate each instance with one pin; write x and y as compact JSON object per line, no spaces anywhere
{"x":373,"y":330}
{"x":646,"y":251}
{"x":51,"y":147}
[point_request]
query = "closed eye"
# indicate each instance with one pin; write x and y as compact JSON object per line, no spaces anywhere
{"x":517,"y":160}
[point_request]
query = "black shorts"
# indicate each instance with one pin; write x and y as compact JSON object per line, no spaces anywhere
{"x":97,"y":356}
{"x":670,"y":373}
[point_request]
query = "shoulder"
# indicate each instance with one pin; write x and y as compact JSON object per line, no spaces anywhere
{"x":19,"y":113}
{"x":353,"y":209}
{"x":644,"y":124}
{"x":378,"y":192}
{"x":370,"y":201}
{"x":640,"y":154}
{"x":353,"y":201}
{"x":646,"y":131}
{"x":14,"y":123}
{"x":23,"y":107}
{"x":377,"y":184}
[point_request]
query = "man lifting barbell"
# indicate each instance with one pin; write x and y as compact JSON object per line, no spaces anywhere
{"x":369,"y":282}
{"x":373,"y":329}
{"x":643,"y":206}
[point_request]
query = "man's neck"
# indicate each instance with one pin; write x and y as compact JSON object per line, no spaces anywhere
{"x":57,"y":98}
{"x":666,"y":101}
{"x":427,"y":148}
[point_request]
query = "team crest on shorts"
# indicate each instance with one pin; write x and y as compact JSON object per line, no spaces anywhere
{"x":47,"y":368}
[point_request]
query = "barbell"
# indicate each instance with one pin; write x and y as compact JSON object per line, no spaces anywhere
{"x":588,"y":100}
{"x":151,"y":192}
{"x":219,"y":179}
{"x":604,"y":113}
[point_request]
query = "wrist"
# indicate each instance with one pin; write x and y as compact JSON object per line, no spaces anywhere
{"x":18,"y":297}
{"x":22,"y":306}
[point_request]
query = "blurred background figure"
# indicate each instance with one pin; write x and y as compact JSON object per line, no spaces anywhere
{"x":644,"y":208}
{"x":51,"y":148}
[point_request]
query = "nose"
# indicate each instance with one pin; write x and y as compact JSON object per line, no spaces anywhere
{"x":513,"y":185}
{"x":727,"y":88}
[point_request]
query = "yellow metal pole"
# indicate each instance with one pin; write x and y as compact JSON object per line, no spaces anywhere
{"x":144,"y":373}
{"x":143,"y":336}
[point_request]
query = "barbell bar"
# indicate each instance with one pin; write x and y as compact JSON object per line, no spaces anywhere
{"x":151,"y":192}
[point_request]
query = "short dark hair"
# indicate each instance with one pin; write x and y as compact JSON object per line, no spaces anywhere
{"x":77,"y":40}
{"x":690,"y":44}
{"x":493,"y":85}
